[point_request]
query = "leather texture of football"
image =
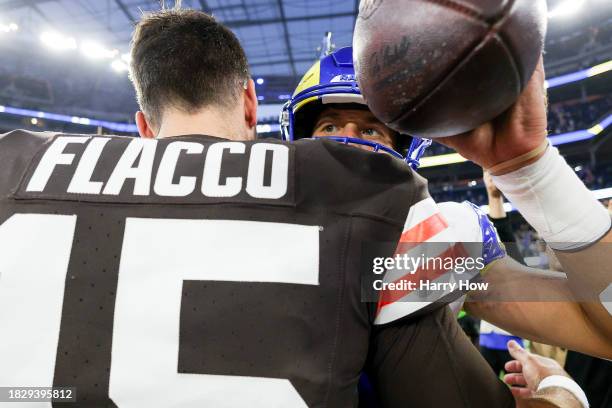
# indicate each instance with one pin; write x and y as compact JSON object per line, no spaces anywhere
{"x":434,"y":68}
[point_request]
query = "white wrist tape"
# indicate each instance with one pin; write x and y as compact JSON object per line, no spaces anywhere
{"x":567,"y":384}
{"x":551,"y":197}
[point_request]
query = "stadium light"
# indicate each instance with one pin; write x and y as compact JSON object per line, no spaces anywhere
{"x":599,"y":69}
{"x":122,"y":64}
{"x":442,"y":160}
{"x":8,"y":28}
{"x":579,"y":75}
{"x":566,"y":8}
{"x":57,"y":41}
{"x":93,"y":50}
{"x":119,"y":66}
{"x":595,"y":130}
{"x":264,"y":128}
{"x":260,"y":81}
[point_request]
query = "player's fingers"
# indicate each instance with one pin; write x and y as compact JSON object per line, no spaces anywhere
{"x":515,"y":379}
{"x":517,"y":351}
{"x":513,"y":366}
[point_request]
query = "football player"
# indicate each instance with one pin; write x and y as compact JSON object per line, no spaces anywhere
{"x":328,"y":104}
{"x":196,"y":266}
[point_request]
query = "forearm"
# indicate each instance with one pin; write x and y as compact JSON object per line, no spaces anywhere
{"x":589,"y":274}
{"x":558,"y":205}
{"x":538,"y":306}
{"x":496,"y":206}
{"x":561,"y":324}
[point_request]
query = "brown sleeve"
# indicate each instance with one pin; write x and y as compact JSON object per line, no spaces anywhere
{"x":430,"y":362}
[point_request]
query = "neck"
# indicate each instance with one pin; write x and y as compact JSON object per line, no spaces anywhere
{"x":210,"y":122}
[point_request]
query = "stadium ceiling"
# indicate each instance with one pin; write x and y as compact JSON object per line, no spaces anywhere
{"x":281,"y":37}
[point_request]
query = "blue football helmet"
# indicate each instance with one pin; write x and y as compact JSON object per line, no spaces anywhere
{"x":331,"y":80}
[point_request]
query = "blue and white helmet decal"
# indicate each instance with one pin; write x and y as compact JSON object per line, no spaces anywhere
{"x":331,"y":80}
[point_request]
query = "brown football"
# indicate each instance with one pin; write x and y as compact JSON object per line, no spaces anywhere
{"x":434,"y":68}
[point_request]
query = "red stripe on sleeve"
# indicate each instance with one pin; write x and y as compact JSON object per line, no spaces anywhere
{"x":423,"y":273}
{"x":421,"y":232}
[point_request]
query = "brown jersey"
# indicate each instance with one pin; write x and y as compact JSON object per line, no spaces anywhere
{"x":191,"y":271}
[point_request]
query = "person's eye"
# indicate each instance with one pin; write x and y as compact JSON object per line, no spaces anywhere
{"x":371,"y":132}
{"x":329,"y":128}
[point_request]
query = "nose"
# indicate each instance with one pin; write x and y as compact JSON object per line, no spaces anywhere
{"x":350,"y":130}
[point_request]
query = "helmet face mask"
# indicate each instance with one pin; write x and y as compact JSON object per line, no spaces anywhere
{"x":332,"y":81}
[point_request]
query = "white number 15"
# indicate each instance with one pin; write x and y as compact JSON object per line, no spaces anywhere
{"x":157,"y":256}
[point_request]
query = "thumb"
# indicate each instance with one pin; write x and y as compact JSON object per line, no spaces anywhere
{"x":516,"y":351}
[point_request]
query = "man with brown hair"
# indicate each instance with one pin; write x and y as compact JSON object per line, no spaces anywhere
{"x":190,"y":73}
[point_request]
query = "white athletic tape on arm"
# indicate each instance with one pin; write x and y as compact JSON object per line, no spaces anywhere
{"x":567,"y":384}
{"x":555,"y":202}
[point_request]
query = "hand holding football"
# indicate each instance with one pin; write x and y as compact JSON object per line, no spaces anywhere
{"x":435,"y":68}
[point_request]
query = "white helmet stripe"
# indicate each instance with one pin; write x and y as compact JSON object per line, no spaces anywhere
{"x":343,"y":98}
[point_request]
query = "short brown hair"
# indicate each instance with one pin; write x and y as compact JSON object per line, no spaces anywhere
{"x":186,"y":59}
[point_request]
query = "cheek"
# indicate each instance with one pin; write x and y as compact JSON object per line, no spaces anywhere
{"x":392,"y":141}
